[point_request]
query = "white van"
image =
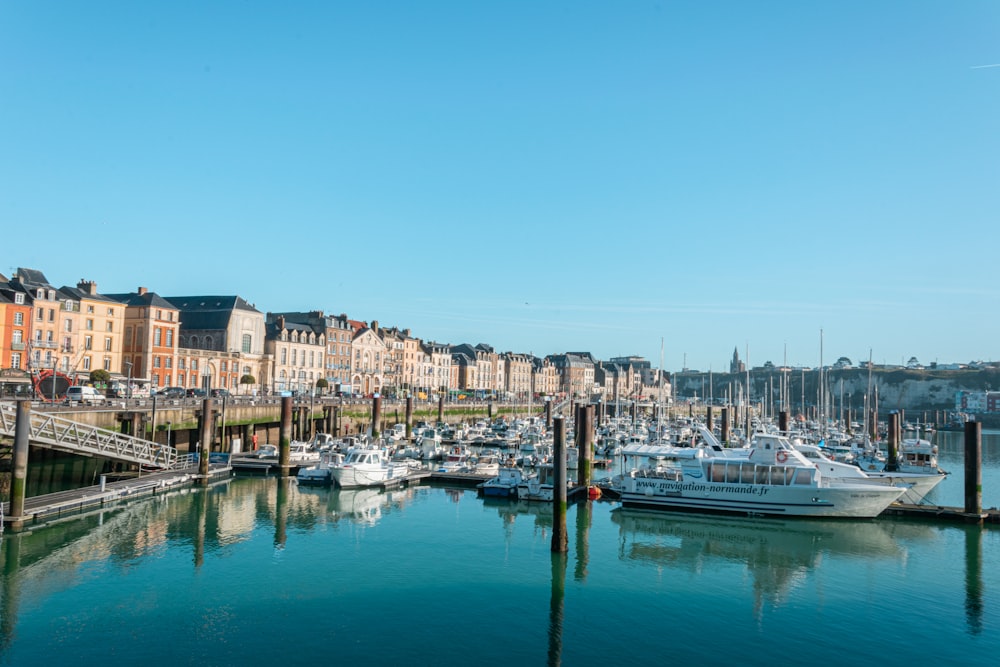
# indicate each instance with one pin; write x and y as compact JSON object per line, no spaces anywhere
{"x":81,"y":394}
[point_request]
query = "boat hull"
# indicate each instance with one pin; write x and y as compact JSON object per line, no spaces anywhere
{"x":841,"y":500}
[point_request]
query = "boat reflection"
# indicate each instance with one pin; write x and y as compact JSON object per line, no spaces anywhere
{"x":363,"y":505}
{"x":778,"y":554}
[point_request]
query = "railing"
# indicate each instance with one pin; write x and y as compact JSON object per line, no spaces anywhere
{"x":56,"y":432}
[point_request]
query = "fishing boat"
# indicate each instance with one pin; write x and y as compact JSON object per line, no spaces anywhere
{"x":771,"y":478}
{"x":504,"y":485}
{"x":367,"y":467}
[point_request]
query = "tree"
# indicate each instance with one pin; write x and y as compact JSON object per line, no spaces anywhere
{"x":248,"y":379}
{"x":322,"y":384}
{"x":843,"y":362}
{"x":912,"y":363}
{"x":99,"y":376}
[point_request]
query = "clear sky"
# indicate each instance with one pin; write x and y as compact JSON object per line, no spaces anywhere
{"x":543,"y":176}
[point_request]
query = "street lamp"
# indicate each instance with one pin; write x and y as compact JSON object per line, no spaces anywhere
{"x":128,"y":381}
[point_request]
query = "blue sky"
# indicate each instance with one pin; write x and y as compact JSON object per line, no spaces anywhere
{"x":542,"y":176}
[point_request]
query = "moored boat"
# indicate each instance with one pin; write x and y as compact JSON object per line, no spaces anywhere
{"x":367,"y":467}
{"x":770,"y":479}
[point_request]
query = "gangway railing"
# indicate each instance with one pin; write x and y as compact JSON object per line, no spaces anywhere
{"x":57,"y":432}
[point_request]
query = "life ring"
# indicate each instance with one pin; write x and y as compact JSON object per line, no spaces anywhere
{"x":781,"y":456}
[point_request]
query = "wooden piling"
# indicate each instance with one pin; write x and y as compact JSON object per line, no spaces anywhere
{"x":205,"y":437}
{"x":560,"y":539}
{"x":708,"y":417}
{"x":783,"y":422}
{"x":285,"y":437}
{"x":973,"y":467}
{"x":724,"y":427}
{"x":548,"y":414}
{"x":19,"y":463}
{"x":585,"y":444}
{"x":440,"y":409}
{"x":892,"y":442}
{"x":409,"y":417}
{"x":376,"y":417}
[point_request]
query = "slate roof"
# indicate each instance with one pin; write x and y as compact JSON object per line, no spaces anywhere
{"x":208,"y":312}
{"x":148,"y":299}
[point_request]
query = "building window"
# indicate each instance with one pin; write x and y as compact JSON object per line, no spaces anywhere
{"x":107,"y":344}
{"x":90,"y":309}
{"x":19,"y":298}
{"x":86,"y":363}
{"x":224,"y":366}
{"x":15,"y":360}
{"x":111,"y":326}
{"x":194,"y":341}
{"x":88,"y":343}
{"x":194,"y":364}
{"x":284,"y":356}
{"x":156,"y":362}
{"x":169,"y":363}
{"x":181,"y":363}
{"x":19,"y":319}
{"x":170,"y":337}
{"x":107,"y":363}
{"x":246,"y":343}
{"x":111,"y":312}
{"x":208,"y":343}
{"x":52,"y":314}
{"x":156,"y":336}
{"x":17,"y":336}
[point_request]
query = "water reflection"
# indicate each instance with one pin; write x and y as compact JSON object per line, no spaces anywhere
{"x":777,"y":554}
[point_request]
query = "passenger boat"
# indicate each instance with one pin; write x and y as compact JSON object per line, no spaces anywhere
{"x":537,"y":486}
{"x":320,"y":473}
{"x":916,"y":463}
{"x":367,"y":467}
{"x":770,"y":478}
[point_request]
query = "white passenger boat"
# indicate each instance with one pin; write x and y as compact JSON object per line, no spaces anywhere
{"x":367,"y":467}
{"x":916,"y":464}
{"x":320,"y":473}
{"x":769,"y":479}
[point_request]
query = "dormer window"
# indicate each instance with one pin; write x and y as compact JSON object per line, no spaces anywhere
{"x":41,"y":293}
{"x":19,"y":298}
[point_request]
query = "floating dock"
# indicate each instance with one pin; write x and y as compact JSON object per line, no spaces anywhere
{"x":51,"y":505}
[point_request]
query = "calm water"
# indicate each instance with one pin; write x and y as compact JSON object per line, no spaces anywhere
{"x":257,"y":570}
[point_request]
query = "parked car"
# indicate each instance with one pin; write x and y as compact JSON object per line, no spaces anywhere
{"x":196,"y":393}
{"x":82,"y":394}
{"x":219,"y":393}
{"x":172,"y":392}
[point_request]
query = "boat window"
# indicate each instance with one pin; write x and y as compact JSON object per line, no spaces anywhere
{"x":778,"y":475}
{"x":717,"y":472}
{"x":802,"y":477}
{"x":747,"y":473}
{"x":732,"y":472}
{"x":761,"y":474}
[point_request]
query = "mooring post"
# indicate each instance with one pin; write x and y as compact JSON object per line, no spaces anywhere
{"x":560,"y":540}
{"x":892,"y":442}
{"x":336,"y":421}
{"x":548,"y":414}
{"x":489,"y":410}
{"x":783,"y":422}
{"x":973,"y":467}
{"x":724,"y":426}
{"x":376,"y":416}
{"x":207,"y":429}
{"x":440,"y":409}
{"x":285,"y":437}
{"x":709,"y":418}
{"x":19,"y":471}
{"x":585,"y":440}
{"x":409,"y":417}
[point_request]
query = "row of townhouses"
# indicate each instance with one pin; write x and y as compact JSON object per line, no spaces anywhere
{"x":224,"y":342}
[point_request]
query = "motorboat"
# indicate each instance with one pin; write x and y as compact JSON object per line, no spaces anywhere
{"x":769,"y":478}
{"x":537,"y":485}
{"x":456,"y":460}
{"x":320,"y":473}
{"x":504,"y":485}
{"x":367,"y":467}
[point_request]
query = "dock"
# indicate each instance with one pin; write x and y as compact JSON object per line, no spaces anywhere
{"x":941,"y":513}
{"x":46,"y":507}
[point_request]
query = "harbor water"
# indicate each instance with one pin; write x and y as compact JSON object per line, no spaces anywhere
{"x":258,"y":570}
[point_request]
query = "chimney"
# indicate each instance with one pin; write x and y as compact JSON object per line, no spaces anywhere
{"x":88,"y":286}
{"x":142,"y":291}
{"x":281,"y":322}
{"x":374,"y":326}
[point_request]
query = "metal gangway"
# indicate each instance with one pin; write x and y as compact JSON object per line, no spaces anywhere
{"x":56,"y":432}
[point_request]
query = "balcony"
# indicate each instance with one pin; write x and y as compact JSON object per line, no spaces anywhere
{"x":17,"y":346}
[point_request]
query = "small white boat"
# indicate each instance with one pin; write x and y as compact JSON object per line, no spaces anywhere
{"x":538,"y":485}
{"x":320,"y":473}
{"x":504,"y":485}
{"x":456,"y":460}
{"x":367,"y":467}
